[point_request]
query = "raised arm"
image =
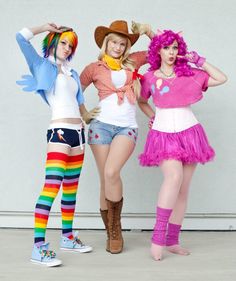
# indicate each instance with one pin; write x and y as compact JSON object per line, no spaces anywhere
{"x":50,"y":27}
{"x":23,"y":38}
{"x":142,"y":28}
{"x":217,"y":77}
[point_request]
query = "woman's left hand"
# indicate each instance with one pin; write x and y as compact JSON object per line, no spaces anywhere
{"x":51,"y":27}
{"x":140,"y":28}
{"x":150,"y":123}
{"x":89,"y":115}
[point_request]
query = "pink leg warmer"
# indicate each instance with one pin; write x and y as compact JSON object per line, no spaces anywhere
{"x":159,"y":232}
{"x":172,"y":237}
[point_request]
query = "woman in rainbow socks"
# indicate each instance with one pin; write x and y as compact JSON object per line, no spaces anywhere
{"x":176,"y":141}
{"x":59,"y":86}
{"x":112,"y":135}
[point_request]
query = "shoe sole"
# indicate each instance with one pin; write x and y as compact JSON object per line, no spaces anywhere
{"x":77,"y":250}
{"x":48,"y":264}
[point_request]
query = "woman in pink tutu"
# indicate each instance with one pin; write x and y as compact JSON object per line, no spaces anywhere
{"x":176,"y":141}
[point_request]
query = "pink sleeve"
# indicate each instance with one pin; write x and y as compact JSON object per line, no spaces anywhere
{"x":86,"y":76}
{"x":206,"y":77}
{"x":140,"y":58}
{"x":145,"y":87}
{"x":202,"y":78}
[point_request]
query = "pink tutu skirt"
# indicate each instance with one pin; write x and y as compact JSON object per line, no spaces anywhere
{"x":188,"y":146}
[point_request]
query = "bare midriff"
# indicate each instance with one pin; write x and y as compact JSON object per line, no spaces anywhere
{"x":67,"y":120}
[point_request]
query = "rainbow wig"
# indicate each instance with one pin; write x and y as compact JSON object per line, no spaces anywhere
{"x":50,"y":42}
{"x":166,"y":38}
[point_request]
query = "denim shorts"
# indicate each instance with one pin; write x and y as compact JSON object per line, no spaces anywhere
{"x":103,"y":133}
{"x":70,"y":137}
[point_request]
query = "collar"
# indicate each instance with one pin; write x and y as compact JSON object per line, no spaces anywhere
{"x":64,"y":65}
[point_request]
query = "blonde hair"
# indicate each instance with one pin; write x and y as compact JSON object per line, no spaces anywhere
{"x":126,"y":62}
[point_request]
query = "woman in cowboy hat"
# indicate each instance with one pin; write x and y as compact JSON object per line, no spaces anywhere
{"x":113,"y":133}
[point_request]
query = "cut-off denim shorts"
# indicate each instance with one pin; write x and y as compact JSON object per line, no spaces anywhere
{"x":103,"y":133}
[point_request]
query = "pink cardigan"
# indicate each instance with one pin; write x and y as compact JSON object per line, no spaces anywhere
{"x":99,"y":74}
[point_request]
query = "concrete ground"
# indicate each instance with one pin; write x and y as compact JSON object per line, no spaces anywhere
{"x":213,"y":258}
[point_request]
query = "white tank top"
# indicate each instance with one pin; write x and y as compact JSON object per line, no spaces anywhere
{"x":123,"y":115}
{"x":173,"y":120}
{"x":62,"y":99}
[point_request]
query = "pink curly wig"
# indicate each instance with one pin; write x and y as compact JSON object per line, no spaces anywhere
{"x":181,"y":67}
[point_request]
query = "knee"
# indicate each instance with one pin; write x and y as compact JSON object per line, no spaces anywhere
{"x":111,"y":174}
{"x":174,"y":177}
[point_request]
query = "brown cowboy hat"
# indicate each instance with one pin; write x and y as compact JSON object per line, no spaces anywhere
{"x":118,"y":26}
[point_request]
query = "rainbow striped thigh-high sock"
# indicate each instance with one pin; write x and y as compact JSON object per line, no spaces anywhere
{"x":55,"y":169}
{"x":70,"y":187}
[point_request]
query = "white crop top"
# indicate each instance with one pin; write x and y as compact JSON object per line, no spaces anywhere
{"x":123,"y":115}
{"x":172,"y":120}
{"x":62,"y":99}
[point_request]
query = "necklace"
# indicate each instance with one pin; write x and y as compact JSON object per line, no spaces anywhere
{"x":166,"y":75}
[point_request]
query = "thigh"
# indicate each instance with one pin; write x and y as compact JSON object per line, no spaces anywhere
{"x":76,"y":151}
{"x":56,"y":147}
{"x":188,"y":171}
{"x":120,"y":150}
{"x":100,"y":153}
{"x":172,"y":168}
{"x":168,"y":166}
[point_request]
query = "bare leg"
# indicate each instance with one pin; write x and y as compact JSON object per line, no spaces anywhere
{"x":173,"y":175}
{"x":120,"y":150}
{"x":100,"y":153}
{"x":177,"y":215}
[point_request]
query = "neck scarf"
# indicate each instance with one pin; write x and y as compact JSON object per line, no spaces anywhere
{"x":113,"y":64}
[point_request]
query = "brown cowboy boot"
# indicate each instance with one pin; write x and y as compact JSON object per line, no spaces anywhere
{"x":104,"y":215}
{"x":114,"y":226}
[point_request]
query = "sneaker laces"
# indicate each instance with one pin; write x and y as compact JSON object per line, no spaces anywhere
{"x":47,"y":254}
{"x":76,"y":240}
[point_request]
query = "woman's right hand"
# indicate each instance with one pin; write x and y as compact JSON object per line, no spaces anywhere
{"x":87,"y":116}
